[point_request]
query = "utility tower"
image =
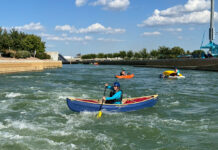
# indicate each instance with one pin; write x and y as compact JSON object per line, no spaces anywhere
{"x":213,"y":48}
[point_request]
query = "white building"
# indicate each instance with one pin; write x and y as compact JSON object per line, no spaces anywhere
{"x":54,"y":55}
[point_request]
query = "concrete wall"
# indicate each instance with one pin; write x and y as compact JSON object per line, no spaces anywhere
{"x":210,"y":64}
{"x":21,"y":66}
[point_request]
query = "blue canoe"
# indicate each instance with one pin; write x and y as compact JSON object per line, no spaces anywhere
{"x":130,"y":104}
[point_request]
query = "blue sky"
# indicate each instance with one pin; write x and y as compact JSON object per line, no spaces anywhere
{"x":108,"y":26}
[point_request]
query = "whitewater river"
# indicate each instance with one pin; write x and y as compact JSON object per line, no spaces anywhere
{"x":34,"y":114}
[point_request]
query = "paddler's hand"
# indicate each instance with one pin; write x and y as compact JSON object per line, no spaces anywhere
{"x":104,"y":98}
{"x":106,"y":84}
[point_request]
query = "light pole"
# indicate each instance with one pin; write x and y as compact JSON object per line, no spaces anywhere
{"x":34,"y":53}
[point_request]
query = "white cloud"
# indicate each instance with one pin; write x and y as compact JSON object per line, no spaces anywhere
{"x":66,"y":28}
{"x":173,"y":29}
{"x":32,"y":26}
{"x":80,"y":2}
{"x":151,"y":33}
{"x":112,"y":4}
{"x":197,"y":5}
{"x":106,"y":4}
{"x":193,"y":12}
{"x":109,"y":40}
{"x":65,"y":38}
{"x":94,"y":28}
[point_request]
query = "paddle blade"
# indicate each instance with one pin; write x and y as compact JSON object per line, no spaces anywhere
{"x":99,"y":114}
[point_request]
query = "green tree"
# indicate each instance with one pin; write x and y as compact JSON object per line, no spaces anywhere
{"x":16,"y":40}
{"x":116,"y":55}
{"x":100,"y":55}
{"x":123,"y":54}
{"x":89,"y":56}
{"x":197,"y":53}
{"x":6,"y":41}
{"x":1,"y":31}
{"x":175,"y":51}
{"x":110,"y":55}
{"x":129,"y":54}
{"x":137,"y":55}
{"x":92,"y":56}
{"x":144,"y":53}
{"x":32,"y":43}
{"x":164,"y":52}
{"x":188,"y":52}
{"x":154,"y":53}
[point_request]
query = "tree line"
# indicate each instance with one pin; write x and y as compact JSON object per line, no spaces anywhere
{"x":20,"y":45}
{"x":162,"y":52}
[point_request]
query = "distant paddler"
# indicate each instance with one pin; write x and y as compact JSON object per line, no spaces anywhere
{"x":96,"y":63}
{"x":123,"y":73}
{"x":172,"y":74}
{"x":176,"y":72}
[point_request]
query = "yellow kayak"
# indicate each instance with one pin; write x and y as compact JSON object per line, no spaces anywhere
{"x":169,"y":72}
{"x":171,"y":75}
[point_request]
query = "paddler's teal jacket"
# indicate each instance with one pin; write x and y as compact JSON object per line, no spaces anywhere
{"x":178,"y":72}
{"x":116,"y":96}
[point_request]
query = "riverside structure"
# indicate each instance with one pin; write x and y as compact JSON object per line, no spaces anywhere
{"x":207,"y":64}
{"x":14,"y":65}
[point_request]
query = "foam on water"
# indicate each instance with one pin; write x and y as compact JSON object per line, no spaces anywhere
{"x":10,"y":136}
{"x":20,"y":77}
{"x":176,"y":103}
{"x":12,"y":95}
{"x":60,"y":133}
{"x":22,"y":125}
{"x":2,"y":126}
{"x":3,"y":101}
{"x":107,"y":142}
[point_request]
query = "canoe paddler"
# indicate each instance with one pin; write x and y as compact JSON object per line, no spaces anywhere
{"x":115,"y":94}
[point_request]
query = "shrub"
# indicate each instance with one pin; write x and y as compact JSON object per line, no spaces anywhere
{"x":8,"y":53}
{"x":43,"y":56}
{"x":22,"y":54}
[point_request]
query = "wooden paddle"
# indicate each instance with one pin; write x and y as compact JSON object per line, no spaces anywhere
{"x":100,"y":112}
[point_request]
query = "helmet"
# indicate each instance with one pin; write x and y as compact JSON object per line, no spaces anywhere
{"x":117,"y":84}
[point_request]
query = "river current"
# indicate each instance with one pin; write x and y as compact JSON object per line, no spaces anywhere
{"x":34,"y":114}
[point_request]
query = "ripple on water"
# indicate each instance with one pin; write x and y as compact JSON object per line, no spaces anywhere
{"x":34,"y":114}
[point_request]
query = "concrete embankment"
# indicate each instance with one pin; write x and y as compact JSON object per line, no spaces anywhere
{"x":11,"y":66}
{"x":209,"y":64}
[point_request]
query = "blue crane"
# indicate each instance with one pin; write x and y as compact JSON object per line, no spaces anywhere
{"x":213,"y":48}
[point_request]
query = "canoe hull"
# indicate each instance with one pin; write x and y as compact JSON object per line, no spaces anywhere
{"x":79,"y":106}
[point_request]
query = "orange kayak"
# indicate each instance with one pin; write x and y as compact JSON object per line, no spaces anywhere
{"x":125,"y":77}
